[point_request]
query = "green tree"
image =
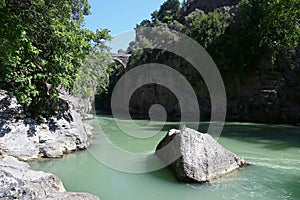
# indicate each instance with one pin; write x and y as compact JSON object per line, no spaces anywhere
{"x":279,"y":27}
{"x":93,"y":76}
{"x":183,"y":11}
{"x":263,"y":30}
{"x":43,"y":46}
{"x":167,"y":12}
{"x":206,"y":28}
{"x":255,"y":32}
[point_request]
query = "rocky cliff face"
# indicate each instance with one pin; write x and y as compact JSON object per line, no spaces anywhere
{"x":266,"y":95}
{"x":83,"y":106}
{"x":28,"y":139}
{"x":209,"y":5}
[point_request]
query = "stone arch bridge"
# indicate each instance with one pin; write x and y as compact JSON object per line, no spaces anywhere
{"x":122,"y":59}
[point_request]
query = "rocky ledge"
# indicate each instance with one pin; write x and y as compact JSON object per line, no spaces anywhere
{"x":18,"y":181}
{"x":26,"y":139}
{"x":200,"y":157}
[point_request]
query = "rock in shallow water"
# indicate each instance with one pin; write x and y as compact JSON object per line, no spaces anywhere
{"x":18,"y":181}
{"x":200,"y":158}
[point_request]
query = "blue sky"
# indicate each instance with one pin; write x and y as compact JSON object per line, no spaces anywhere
{"x":120,"y":16}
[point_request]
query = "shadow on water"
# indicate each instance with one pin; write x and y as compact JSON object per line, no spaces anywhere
{"x":164,"y":174}
{"x":273,"y":137}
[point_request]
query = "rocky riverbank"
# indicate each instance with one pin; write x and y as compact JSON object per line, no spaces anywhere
{"x":18,"y":181}
{"x":26,"y":139}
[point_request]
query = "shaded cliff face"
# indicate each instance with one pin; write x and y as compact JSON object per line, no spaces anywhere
{"x":266,"y":95}
{"x":149,"y":95}
{"x":209,"y":5}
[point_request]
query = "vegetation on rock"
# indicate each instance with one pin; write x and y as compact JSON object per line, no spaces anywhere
{"x":240,"y":37}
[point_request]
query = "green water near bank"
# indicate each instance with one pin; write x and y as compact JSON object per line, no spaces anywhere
{"x":273,"y":151}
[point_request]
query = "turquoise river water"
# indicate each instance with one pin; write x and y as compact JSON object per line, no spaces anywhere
{"x":273,"y":151}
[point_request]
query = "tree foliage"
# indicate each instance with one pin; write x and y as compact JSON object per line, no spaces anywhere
{"x":168,"y":11}
{"x":93,"y":76}
{"x":257,"y":31}
{"x":43,"y":46}
{"x":279,"y":27}
{"x":206,"y":28}
{"x":263,"y":30}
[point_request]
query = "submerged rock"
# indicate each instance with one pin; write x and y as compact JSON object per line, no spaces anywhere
{"x":200,"y":158}
{"x":18,"y":181}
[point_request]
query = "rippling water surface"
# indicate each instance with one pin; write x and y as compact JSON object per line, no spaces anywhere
{"x":273,"y":151}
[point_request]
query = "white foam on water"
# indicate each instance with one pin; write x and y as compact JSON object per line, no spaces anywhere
{"x":274,"y":166}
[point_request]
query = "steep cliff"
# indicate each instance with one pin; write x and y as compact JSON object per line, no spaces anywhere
{"x":265,"y":95}
{"x":209,"y":5}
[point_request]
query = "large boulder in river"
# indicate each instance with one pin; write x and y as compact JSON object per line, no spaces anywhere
{"x":199,"y":157}
{"x":27,"y":139}
{"x":18,"y":181}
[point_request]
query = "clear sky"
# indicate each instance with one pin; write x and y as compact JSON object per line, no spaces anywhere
{"x":120,"y":15}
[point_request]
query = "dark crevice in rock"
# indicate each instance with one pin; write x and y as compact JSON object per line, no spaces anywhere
{"x":4,"y":130}
{"x":205,"y":163}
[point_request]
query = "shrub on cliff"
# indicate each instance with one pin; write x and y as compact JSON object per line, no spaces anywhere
{"x":238,"y":39}
{"x":262,"y":30}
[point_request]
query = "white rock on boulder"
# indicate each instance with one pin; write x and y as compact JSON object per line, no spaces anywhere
{"x":18,"y":181}
{"x":200,"y":158}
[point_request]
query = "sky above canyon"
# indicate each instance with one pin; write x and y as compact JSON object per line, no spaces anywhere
{"x":121,"y":17}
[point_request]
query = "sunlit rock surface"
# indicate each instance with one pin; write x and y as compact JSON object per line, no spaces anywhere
{"x":200,"y":157}
{"x":18,"y":181}
{"x":24,"y":138}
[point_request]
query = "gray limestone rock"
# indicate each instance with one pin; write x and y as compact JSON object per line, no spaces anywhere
{"x":84,"y":106}
{"x":26,"y":139}
{"x":72,"y":196}
{"x":18,"y":181}
{"x":200,"y":157}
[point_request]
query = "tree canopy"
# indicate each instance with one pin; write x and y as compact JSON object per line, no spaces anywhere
{"x":242,"y":37}
{"x":42,"y":46}
{"x":168,"y":11}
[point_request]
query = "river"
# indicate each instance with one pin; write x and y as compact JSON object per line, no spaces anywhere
{"x":273,"y":151}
